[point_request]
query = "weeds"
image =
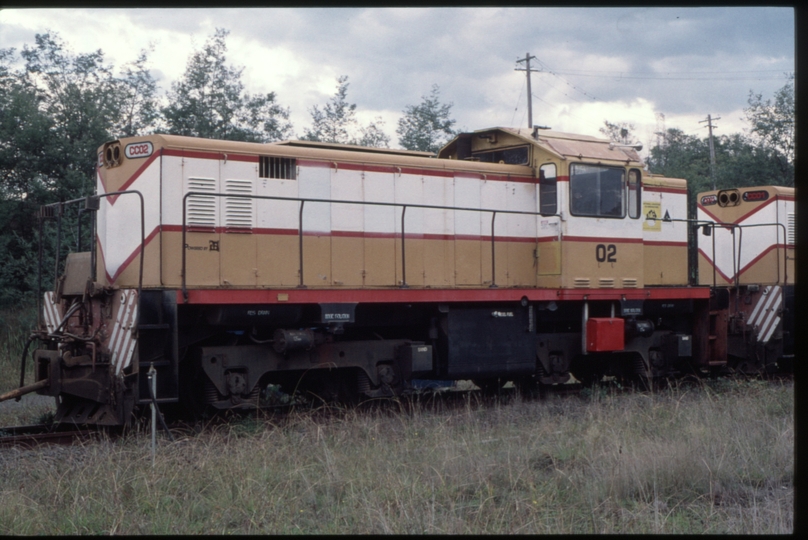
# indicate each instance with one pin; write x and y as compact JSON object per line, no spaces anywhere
{"x":689,"y":459}
{"x":15,"y":327}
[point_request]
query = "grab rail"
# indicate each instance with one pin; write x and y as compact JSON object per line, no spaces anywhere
{"x":736,"y":257}
{"x":303,"y":200}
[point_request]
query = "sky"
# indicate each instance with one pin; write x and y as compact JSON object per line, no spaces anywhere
{"x":656,"y":68}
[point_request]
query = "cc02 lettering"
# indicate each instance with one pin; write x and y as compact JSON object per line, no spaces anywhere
{"x":606,"y":253}
{"x":139,"y":150}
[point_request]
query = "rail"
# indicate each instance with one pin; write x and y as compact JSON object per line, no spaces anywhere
{"x":303,"y":201}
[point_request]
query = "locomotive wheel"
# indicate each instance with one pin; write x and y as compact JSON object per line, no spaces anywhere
{"x":634,"y":372}
{"x":585,"y":368}
{"x":194,"y":386}
{"x":530,"y":385}
{"x":337,"y":386}
{"x":747,"y":368}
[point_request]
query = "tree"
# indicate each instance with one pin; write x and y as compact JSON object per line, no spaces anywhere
{"x":773,"y":122}
{"x":336,"y":122}
{"x":55,"y":112}
{"x":137,"y":99}
{"x":740,"y":162}
{"x":209,"y":101}
{"x":743,"y":163}
{"x":77,"y":93}
{"x":336,"y":119}
{"x":373,"y":136}
{"x":620,"y":132}
{"x":426,"y":126}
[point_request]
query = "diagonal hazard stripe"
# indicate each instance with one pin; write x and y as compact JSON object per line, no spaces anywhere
{"x":759,"y":304}
{"x":771,"y":318}
{"x":50,"y":312}
{"x":121,"y":340}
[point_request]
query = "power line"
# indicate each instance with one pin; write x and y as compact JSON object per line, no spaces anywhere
{"x":521,"y":89}
{"x":564,"y":93}
{"x":557,"y":107}
{"x":689,"y":71}
{"x":706,"y":77}
{"x":550,"y":71}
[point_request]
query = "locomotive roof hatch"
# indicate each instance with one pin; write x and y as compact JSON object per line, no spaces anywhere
{"x":355,"y":148}
{"x":558,"y":144}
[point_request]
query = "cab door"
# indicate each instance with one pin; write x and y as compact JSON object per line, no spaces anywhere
{"x":548,"y":231}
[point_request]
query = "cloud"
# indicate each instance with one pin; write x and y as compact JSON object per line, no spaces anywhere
{"x":613,"y":63}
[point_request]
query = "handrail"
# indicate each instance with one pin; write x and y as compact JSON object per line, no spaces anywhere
{"x":741,"y":227}
{"x":776,"y":244}
{"x":87,"y":200}
{"x":303,"y":200}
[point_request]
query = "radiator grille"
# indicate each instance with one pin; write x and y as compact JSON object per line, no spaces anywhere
{"x":201,"y":210}
{"x":238,"y":212}
{"x":791,"y":229}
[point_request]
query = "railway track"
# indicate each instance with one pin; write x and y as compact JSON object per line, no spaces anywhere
{"x":40,"y":434}
{"x":31,"y":436}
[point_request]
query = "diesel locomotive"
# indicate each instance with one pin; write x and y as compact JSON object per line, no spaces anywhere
{"x":226,"y":268}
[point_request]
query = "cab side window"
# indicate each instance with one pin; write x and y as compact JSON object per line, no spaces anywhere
{"x":548,"y":193}
{"x":634,"y":193}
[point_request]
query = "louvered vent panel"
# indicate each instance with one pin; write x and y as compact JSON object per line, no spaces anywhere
{"x":630,"y":283}
{"x":606,"y":283}
{"x":792,"y":229}
{"x":238,"y":212}
{"x":581,"y":283}
{"x":201,"y":210}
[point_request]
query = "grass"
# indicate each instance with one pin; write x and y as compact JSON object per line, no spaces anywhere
{"x":714,"y":457}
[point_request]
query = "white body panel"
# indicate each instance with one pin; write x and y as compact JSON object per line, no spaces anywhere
{"x":737,"y":249}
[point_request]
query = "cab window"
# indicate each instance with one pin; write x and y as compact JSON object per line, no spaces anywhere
{"x":634,"y":194}
{"x":548,"y":199}
{"x":597,"y":191}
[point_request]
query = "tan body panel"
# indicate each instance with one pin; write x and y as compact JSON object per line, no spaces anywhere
{"x":582,"y":269}
{"x":272,"y":260}
{"x":764,"y":272}
{"x":665,"y":265}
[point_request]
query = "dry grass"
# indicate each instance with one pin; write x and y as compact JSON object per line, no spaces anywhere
{"x":15,"y":327}
{"x":714,"y":458}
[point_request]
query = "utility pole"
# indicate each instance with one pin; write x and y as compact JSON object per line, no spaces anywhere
{"x":527,"y":71}
{"x":712,"y":147}
{"x":660,"y":129}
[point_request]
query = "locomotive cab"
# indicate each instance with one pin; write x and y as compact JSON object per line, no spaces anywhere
{"x":603,"y":218}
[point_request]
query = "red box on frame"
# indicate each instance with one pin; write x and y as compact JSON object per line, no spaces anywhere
{"x":605,"y":334}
